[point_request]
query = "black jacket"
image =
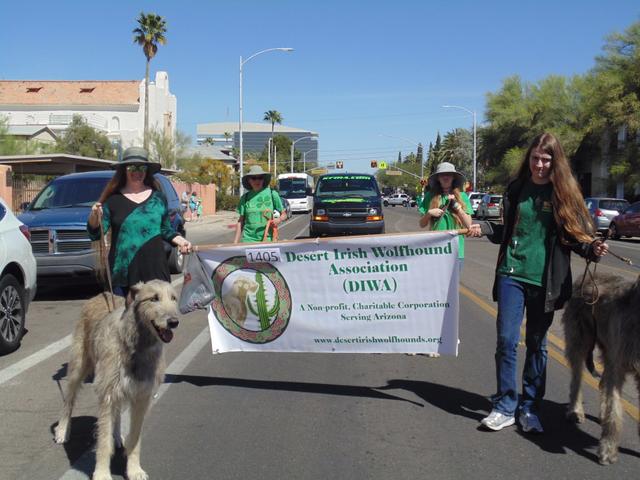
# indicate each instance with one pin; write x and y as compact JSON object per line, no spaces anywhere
{"x":557,"y":274}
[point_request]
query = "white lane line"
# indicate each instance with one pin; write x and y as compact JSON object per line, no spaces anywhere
{"x":84,"y":466}
{"x":47,"y":352}
{"x":17,"y":368}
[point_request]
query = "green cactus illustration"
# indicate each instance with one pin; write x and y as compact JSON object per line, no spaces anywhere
{"x":261,"y":309}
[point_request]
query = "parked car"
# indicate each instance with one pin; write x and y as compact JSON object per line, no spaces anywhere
{"x":57,"y":220}
{"x":475,"y":198}
{"x":626,"y":224}
{"x":602,"y":210}
{"x":399,"y":199}
{"x":17,"y":280}
{"x":489,"y":206}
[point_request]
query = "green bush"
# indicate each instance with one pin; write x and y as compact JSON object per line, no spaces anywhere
{"x":227,"y":202}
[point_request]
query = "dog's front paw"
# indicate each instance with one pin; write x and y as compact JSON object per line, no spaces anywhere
{"x":575,"y":416}
{"x":607,"y":453}
{"x":61,"y":434}
{"x":137,"y":474}
{"x":101,"y":475}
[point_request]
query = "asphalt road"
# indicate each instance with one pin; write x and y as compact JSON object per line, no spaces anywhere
{"x":310,"y":416}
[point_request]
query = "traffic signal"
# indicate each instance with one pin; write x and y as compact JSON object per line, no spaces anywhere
{"x":374,"y":164}
{"x":339,"y":165}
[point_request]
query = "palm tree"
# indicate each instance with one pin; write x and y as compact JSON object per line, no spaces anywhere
{"x":274,"y":117}
{"x":150,"y":33}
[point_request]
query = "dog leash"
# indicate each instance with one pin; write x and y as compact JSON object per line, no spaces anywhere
{"x":104,"y":257}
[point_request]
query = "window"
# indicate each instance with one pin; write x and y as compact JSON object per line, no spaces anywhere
{"x":33,"y":89}
{"x":87,"y":89}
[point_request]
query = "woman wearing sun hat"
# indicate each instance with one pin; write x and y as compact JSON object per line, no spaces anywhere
{"x":134,"y":209}
{"x":446,"y":206}
{"x":257,"y":206}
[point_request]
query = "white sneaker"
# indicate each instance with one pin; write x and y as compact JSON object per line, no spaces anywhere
{"x":530,"y":423}
{"x":497,"y":421}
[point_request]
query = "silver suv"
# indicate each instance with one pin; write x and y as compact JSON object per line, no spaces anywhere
{"x":603,"y":210}
{"x":399,"y":199}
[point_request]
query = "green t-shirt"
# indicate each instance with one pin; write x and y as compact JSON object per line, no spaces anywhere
{"x":526,"y":254}
{"x":446,"y":221}
{"x":257,"y":209}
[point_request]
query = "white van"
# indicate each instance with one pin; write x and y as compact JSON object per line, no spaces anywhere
{"x":297,"y":188}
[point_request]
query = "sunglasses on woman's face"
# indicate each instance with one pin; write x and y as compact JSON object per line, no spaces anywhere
{"x":136,"y":168}
{"x":256,"y":178}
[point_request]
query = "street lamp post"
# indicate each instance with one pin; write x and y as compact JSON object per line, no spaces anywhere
{"x":242,"y":62}
{"x":473,"y":113}
{"x":304,"y":158}
{"x":417,"y":144}
{"x":293,"y":147}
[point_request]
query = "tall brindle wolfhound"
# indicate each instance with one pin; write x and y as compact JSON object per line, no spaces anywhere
{"x":613,"y":324}
{"x":123,"y":348}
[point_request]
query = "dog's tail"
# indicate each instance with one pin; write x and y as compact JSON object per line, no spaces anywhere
{"x":591,"y":365}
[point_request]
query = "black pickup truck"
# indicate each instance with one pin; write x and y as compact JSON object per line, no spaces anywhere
{"x":346,"y":203}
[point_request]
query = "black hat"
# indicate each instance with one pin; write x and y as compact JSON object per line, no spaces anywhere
{"x":137,"y":156}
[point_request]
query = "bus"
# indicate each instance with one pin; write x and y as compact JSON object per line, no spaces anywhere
{"x":297,"y":188}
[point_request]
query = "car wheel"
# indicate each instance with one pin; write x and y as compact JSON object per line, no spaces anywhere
{"x":613,"y":232}
{"x":404,"y":204}
{"x":12,"y":314}
{"x":385,"y":203}
{"x":312,"y":233}
{"x":176,"y":260}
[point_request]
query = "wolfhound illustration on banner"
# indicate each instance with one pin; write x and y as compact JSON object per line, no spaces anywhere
{"x":336,"y":295}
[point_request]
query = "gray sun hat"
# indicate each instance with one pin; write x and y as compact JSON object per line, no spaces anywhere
{"x":254,"y":171}
{"x":446,"y":167}
{"x":137,"y":156}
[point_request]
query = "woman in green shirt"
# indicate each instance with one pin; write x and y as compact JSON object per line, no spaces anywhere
{"x":257,"y":206}
{"x":446,"y":207}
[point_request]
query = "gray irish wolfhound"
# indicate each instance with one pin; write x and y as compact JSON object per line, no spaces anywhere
{"x":124,"y":351}
{"x":614,"y":326}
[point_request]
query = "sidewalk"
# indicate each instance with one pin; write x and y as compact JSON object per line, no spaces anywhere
{"x":220,"y":221}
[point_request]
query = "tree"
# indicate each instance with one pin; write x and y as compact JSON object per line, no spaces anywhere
{"x":81,"y":139}
{"x":419,"y":154}
{"x":399,"y":157}
{"x":227,"y":136}
{"x":457,"y":148}
{"x":274,"y":117}
{"x":167,"y":149}
{"x":149,"y":34}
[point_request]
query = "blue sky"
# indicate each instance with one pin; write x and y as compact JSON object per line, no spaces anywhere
{"x":360,"y":68}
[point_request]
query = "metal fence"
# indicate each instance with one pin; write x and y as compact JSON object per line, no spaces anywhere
{"x":26,"y":187}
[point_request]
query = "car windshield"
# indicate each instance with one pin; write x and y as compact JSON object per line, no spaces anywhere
{"x":347,"y":186}
{"x":292,"y":187}
{"x":70,"y":193}
{"x":495,"y":199}
{"x":617,"y":205}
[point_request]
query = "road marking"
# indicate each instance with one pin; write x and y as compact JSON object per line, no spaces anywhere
{"x":630,"y":408}
{"x":47,"y":352}
{"x":83,"y":467}
{"x":17,"y":368}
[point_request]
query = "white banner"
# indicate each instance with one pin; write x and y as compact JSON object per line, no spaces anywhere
{"x":372,"y":294}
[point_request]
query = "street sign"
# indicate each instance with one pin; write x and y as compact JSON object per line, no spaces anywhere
{"x":319,"y":171}
{"x":393,"y":172}
{"x":382,"y":165}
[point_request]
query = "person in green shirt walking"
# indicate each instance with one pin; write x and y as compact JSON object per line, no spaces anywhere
{"x":257,"y":206}
{"x":545,"y":219}
{"x":446,"y":207}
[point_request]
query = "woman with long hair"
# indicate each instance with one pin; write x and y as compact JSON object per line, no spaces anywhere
{"x":134,"y":210}
{"x":446,"y":206}
{"x":544,"y":219}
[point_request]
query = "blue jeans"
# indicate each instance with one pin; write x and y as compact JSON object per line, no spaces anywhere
{"x":513,"y":297}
